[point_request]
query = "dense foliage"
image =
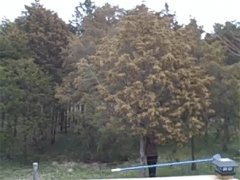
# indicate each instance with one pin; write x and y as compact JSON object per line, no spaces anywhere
{"x":111,"y":77}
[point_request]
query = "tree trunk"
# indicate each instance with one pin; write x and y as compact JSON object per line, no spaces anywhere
{"x":206,"y":127}
{"x":53,"y":128}
{"x":15,"y":127}
{"x":226,"y":136}
{"x":2,"y":121}
{"x":142,"y":155}
{"x":61,"y":119}
{"x":69,"y":116}
{"x":65,"y":120}
{"x":25,"y":148}
{"x":193,"y":167}
{"x":73,"y":116}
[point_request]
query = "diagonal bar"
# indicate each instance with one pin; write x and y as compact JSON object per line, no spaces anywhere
{"x":215,"y":157}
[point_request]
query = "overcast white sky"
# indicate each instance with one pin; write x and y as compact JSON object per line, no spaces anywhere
{"x":206,"y":12}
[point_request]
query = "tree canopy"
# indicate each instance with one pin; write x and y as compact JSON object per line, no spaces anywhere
{"x":147,"y":76}
{"x":112,"y":76}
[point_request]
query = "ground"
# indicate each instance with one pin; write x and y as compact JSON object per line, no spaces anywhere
{"x":51,"y":170}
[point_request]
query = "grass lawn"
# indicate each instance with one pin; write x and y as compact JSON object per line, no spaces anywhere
{"x":75,"y":170}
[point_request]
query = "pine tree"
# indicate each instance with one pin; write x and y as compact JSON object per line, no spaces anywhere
{"x":25,"y":95}
{"x":82,"y":10}
{"x":47,"y":38}
{"x":147,"y":77}
{"x":225,"y":90}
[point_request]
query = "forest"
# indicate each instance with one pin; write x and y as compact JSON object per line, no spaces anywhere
{"x":91,"y":89}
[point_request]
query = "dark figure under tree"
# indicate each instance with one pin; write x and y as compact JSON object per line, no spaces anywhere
{"x":151,"y":154}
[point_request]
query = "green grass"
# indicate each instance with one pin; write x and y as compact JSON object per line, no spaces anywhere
{"x":51,"y":170}
{"x":74,"y":171}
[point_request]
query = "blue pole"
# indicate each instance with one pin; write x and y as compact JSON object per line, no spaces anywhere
{"x":217,"y":156}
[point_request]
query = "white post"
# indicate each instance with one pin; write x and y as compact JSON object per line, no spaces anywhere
{"x":35,"y":171}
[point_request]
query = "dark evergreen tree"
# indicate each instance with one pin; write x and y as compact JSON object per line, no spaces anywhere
{"x":47,"y":38}
{"x":83,"y":9}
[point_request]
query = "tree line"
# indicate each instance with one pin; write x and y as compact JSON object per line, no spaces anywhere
{"x":112,"y":76}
